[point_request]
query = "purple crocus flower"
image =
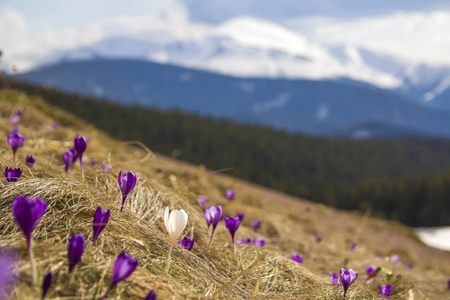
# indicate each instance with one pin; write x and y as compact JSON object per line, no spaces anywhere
{"x":101,"y":218}
{"x":259,"y":242}
{"x":298,"y":258}
{"x":334,"y":278}
{"x":14,"y":120}
{"x":127,"y":181}
{"x":151,"y":295}
{"x":353,"y":246}
{"x":395,"y":258}
{"x":30,"y":160}
{"x":256,"y":224}
{"x":75,"y":250}
{"x":80,"y":145}
{"x":186,"y":243}
{"x":55,"y":125}
{"x":27,"y":212}
{"x":230,"y":194}
{"x":347,"y":277}
{"x":202,"y":200}
{"x":46,"y":283}
{"x":318,"y":238}
{"x":19,"y":111}
{"x":243,"y":241}
{"x":123,"y":268}
{"x":105,"y":168}
{"x":67,"y":159}
{"x":15,"y":140}
{"x":74,"y":154}
{"x":240,"y":215}
{"x":385,"y":290}
{"x":7,"y":261}
{"x":213,"y":215}
{"x":448,"y":284}
{"x":409,"y":266}
{"x":13,"y":174}
{"x":232,"y":225}
{"x":370,"y":269}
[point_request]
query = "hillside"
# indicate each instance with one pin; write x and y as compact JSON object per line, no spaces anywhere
{"x":289,"y":225}
{"x":351,"y":174}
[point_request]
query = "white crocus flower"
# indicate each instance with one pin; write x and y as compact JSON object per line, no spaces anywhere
{"x":175,"y":223}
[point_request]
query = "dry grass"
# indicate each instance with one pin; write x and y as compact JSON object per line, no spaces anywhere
{"x":288,"y":224}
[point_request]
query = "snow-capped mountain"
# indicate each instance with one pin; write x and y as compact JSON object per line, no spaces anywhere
{"x":244,"y":47}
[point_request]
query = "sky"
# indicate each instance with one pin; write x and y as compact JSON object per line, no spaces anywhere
{"x":415,"y":30}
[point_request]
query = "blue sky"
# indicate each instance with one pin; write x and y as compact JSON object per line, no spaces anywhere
{"x":414,"y":29}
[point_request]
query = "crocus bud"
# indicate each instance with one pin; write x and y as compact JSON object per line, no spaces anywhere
{"x":202,"y":200}
{"x":127,"y":181}
{"x":256,"y":224}
{"x":74,"y":154}
{"x":7,"y":261}
{"x":243,"y":241}
{"x":80,"y":145}
{"x":30,"y":160}
{"x":27,"y":212}
{"x":14,"y":120}
{"x":123,"y":268}
{"x":175,"y":223}
{"x":19,"y":111}
{"x":232,"y":225}
{"x":230,"y":194}
{"x":46,"y":283}
{"x":151,"y":295}
{"x":297,"y":258}
{"x":333,"y":278}
{"x":13,"y":174}
{"x":101,"y":218}
{"x":409,"y":266}
{"x":385,"y":290}
{"x":259,"y":242}
{"x":347,"y":278}
{"x":186,"y":243}
{"x":240,"y":215}
{"x":15,"y":140}
{"x":67,"y":159}
{"x":213,"y":215}
{"x":353,"y":246}
{"x":75,"y":250}
{"x":318,"y":238}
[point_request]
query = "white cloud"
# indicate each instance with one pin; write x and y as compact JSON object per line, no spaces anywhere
{"x":418,"y":37}
{"x":22,"y":47}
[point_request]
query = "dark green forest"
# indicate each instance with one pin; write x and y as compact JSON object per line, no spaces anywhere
{"x":399,"y":179}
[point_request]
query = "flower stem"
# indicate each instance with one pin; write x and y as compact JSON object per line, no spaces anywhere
{"x":234,"y":246}
{"x":14,"y":157}
{"x":33,"y":267}
{"x":169,"y":259}
{"x":106,"y":294}
{"x":210,"y":240}
{"x":81,"y":167}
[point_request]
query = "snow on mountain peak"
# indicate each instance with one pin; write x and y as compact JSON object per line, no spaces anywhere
{"x":251,"y":32}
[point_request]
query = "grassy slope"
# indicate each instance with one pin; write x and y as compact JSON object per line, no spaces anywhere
{"x":287,"y":223}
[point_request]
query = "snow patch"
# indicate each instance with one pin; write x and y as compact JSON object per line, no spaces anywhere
{"x":278,"y":102}
{"x":443,"y":85}
{"x":323,"y":112}
{"x":438,"y":237}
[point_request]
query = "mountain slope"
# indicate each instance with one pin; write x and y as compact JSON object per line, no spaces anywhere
{"x":287,"y":224}
{"x":314,"y":107}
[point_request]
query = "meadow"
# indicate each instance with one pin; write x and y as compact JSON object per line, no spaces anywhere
{"x":289,"y":225}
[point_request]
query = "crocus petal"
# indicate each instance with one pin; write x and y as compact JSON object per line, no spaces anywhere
{"x":27,"y":213}
{"x":151,"y":295}
{"x":75,"y":250}
{"x":46,"y":283}
{"x":123,"y":268}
